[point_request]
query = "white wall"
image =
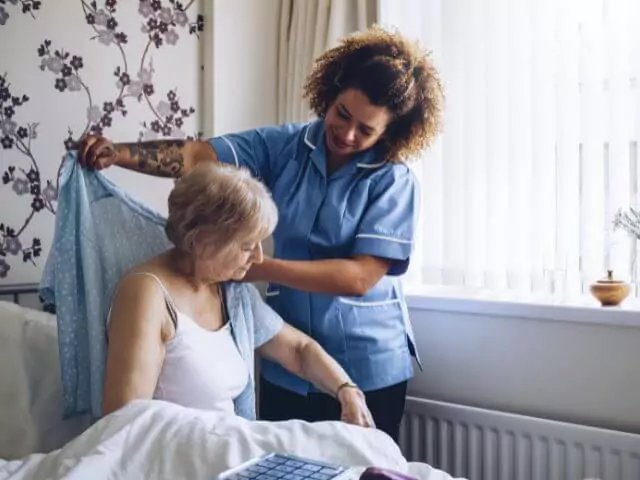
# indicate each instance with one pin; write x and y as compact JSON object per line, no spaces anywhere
{"x":241,"y":65}
{"x":571,"y":370}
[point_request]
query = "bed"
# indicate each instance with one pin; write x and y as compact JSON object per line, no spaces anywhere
{"x":146,"y":439}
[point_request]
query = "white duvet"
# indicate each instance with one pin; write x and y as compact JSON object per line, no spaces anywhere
{"x":157,"y":440}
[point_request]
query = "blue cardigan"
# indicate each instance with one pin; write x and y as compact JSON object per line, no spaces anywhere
{"x":100,"y":233}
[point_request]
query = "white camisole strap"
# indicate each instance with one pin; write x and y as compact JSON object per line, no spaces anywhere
{"x":171,"y":305}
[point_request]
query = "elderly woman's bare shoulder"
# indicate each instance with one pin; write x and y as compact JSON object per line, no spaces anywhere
{"x":138,"y":306}
{"x":143,"y":284}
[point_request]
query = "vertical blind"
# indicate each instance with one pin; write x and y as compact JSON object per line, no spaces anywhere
{"x":540,"y":141}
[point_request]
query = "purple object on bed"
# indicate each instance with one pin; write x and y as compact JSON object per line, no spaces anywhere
{"x":375,"y":473}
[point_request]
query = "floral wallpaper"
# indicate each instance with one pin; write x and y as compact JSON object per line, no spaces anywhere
{"x":67,"y":67}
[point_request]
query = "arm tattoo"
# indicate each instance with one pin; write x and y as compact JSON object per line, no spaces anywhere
{"x":159,"y":157}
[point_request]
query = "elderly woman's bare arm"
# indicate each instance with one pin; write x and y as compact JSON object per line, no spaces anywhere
{"x":162,"y":158}
{"x":136,"y":347}
{"x":302,"y":355}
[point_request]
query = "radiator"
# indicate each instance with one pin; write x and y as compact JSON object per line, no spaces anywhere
{"x":482,"y":444}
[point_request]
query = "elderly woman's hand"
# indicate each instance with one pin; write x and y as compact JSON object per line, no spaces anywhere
{"x":354,"y":407}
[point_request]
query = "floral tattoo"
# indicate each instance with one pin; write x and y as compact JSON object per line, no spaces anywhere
{"x":160,"y":157}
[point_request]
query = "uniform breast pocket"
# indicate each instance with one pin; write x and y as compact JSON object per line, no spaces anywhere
{"x":273,"y":290}
{"x":272,"y":297}
{"x":372,"y":326}
{"x":282,"y":301}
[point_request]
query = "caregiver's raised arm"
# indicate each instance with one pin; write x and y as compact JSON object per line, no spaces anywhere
{"x":162,"y":158}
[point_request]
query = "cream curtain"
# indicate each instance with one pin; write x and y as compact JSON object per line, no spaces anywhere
{"x":308,"y":28}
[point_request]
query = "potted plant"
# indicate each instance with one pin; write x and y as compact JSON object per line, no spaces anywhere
{"x":609,"y":291}
{"x":629,"y":221}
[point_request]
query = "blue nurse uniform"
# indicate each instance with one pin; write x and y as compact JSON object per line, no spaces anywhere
{"x":366,"y":207}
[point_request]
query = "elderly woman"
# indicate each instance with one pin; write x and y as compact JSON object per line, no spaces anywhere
{"x":172,"y":334}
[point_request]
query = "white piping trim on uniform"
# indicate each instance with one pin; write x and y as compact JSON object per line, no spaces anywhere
{"x":371,"y":165}
{"x":306,"y":138}
{"x":368,"y":304}
{"x":381,"y":237}
{"x":233,"y":150}
{"x":273,"y":293}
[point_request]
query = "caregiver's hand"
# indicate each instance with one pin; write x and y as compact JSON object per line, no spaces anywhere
{"x":96,"y":152}
{"x":354,"y":408}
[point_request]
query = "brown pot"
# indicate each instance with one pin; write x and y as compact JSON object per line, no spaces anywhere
{"x":610,"y":292}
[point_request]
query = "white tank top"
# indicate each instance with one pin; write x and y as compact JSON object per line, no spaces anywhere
{"x":202,"y":369}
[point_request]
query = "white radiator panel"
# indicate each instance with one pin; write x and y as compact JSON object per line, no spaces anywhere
{"x":481,"y":444}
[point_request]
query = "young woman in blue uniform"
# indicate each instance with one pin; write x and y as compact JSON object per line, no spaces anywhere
{"x":347,"y":204}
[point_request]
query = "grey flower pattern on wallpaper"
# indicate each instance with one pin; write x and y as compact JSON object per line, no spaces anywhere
{"x":163,"y":23}
{"x":26,"y":6}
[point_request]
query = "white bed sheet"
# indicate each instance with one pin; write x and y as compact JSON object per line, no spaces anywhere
{"x":155,"y":440}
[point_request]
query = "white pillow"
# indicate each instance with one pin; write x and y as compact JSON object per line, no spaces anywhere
{"x":30,"y":389}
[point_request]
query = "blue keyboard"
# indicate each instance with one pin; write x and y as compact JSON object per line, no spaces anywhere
{"x":282,"y":467}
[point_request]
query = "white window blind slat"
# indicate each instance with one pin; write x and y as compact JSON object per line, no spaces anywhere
{"x":544,"y":218}
{"x":454,"y":66}
{"x":474,"y":209}
{"x":497,"y":151}
{"x":619,"y":119}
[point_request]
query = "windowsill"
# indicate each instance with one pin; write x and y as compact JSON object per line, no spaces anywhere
{"x":583,"y":309}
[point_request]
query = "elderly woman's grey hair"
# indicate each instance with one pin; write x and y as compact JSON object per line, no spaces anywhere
{"x":220,"y":204}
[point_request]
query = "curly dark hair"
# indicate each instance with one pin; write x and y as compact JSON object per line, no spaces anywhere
{"x":393,"y":73}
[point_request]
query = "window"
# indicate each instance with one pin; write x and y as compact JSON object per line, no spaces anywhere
{"x":540,"y":141}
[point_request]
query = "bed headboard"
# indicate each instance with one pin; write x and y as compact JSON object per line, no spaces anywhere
{"x":24,"y":294}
